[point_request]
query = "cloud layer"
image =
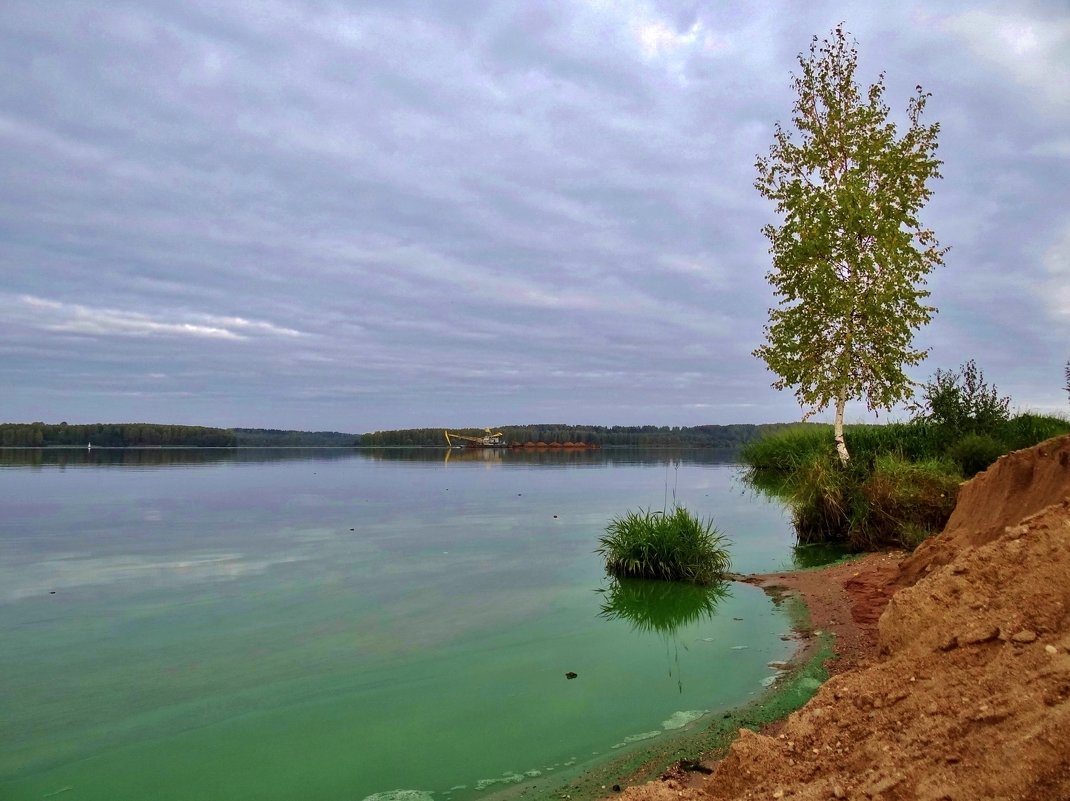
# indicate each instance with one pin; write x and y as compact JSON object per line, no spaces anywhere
{"x":378,"y":215}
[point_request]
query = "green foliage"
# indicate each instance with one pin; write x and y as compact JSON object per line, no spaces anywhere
{"x":708,"y":436}
{"x":792,"y":448}
{"x":1066,"y":386}
{"x":895,"y":502}
{"x":901,"y":484}
{"x":1027,"y":429}
{"x":274,"y":438}
{"x":851,"y":256}
{"x":113,"y":435}
{"x":673,"y":546}
{"x":961,"y":402}
{"x":974,"y":453}
{"x":787,"y":450}
{"x":904,"y":502}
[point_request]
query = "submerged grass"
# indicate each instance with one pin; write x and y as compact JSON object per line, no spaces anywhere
{"x":673,"y":546}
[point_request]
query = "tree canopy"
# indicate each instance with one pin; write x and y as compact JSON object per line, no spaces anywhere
{"x":850,"y":255}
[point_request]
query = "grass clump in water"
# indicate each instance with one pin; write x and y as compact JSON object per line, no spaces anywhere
{"x":672,"y":546}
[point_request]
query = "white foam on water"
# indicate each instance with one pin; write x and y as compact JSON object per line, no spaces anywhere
{"x":769,"y":681}
{"x":636,"y":738}
{"x":401,"y":795}
{"x":677,"y":720}
{"x":506,"y":778}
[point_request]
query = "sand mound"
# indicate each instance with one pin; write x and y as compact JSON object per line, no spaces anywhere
{"x":970,"y":698}
{"x":1018,"y":485}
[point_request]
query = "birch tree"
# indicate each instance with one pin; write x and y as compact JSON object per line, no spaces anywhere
{"x":850,"y":255}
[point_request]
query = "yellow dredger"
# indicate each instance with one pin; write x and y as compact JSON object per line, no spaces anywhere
{"x":490,"y":439}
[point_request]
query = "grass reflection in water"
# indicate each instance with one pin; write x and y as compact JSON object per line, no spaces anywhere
{"x":662,"y":607}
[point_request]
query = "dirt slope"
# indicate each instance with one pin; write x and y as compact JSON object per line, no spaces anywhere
{"x":970,"y":697}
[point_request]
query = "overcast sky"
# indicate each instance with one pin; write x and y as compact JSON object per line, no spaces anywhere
{"x":368,"y":215}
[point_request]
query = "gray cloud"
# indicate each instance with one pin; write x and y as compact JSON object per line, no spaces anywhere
{"x":360,"y":216}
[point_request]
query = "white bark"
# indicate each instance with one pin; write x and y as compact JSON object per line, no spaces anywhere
{"x":841,"y":444}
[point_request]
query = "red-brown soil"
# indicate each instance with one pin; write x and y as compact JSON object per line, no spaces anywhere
{"x":957,"y":687}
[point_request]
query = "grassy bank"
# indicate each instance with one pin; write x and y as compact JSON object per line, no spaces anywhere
{"x":902,"y":481}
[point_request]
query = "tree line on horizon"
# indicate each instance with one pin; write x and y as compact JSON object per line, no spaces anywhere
{"x":705,"y":436}
{"x":157,"y":435}
{"x":113,"y":435}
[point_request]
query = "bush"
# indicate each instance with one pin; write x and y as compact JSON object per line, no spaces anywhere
{"x":961,"y":402}
{"x":674,"y":546}
{"x":974,"y":453}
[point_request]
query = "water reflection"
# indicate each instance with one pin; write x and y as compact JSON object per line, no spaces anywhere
{"x":507,"y":457}
{"x":160,"y":457}
{"x":660,"y":606}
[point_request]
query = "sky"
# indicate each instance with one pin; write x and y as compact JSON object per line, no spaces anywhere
{"x":359,"y":216}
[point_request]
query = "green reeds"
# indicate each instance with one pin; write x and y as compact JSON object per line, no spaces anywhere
{"x":893,"y":502}
{"x":673,"y":546}
{"x":900,"y":485}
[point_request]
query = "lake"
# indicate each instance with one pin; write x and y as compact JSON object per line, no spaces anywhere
{"x":340,"y":624}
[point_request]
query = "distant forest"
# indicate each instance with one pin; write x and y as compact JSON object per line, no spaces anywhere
{"x":711,"y":436}
{"x":270,"y":437}
{"x":150,"y":435}
{"x":113,"y":435}
{"x":153,"y":435}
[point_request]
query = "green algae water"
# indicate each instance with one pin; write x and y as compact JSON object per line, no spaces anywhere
{"x":348,"y":625}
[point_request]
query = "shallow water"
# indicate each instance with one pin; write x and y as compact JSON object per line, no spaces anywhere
{"x":338,"y":624}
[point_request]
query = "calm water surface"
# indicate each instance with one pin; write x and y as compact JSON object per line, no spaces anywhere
{"x":338,"y":625}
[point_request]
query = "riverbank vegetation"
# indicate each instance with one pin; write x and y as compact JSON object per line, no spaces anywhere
{"x":902,"y":480}
{"x":672,"y":546}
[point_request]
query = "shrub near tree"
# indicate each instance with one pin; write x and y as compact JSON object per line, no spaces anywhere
{"x":851,"y":256}
{"x":961,"y":402}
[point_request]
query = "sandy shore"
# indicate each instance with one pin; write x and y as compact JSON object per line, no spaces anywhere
{"x":845,"y":598}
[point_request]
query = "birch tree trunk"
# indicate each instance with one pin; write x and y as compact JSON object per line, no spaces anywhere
{"x":841,"y":444}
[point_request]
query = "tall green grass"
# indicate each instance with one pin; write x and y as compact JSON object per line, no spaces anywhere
{"x":900,"y":485}
{"x":894,"y":502}
{"x":673,"y":546}
{"x":793,"y":448}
